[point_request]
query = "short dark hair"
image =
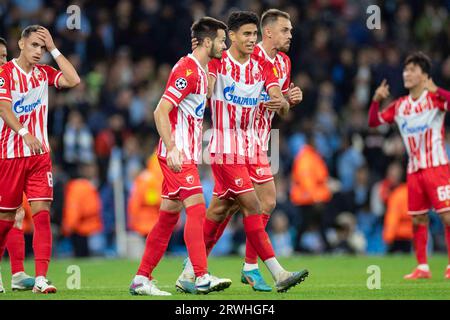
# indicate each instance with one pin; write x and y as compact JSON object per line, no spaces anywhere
{"x":272,"y":15}
{"x":3,"y":42}
{"x":239,"y":18}
{"x":206,"y":27}
{"x":28,"y":30}
{"x":420,"y":59}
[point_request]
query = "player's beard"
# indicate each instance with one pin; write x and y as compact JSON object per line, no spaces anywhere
{"x":214,"y":53}
{"x":284,"y":48}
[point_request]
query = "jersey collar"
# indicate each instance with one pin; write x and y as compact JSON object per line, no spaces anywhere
{"x":28,"y":75}
{"x":265,"y":53}
{"x":418,"y":100}
{"x":190,"y":55}
{"x":242,"y":65}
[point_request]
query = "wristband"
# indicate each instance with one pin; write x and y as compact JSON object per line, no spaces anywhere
{"x":55,"y":53}
{"x":22,"y":132}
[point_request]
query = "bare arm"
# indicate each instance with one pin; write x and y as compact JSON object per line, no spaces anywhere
{"x":174,"y":157}
{"x":277,"y":101}
{"x":70,"y":77}
{"x":11,"y":121}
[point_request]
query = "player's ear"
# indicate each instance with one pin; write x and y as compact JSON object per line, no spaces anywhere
{"x":232,"y":36}
{"x":207,"y":42}
{"x":268,"y":32}
{"x":21,"y":43}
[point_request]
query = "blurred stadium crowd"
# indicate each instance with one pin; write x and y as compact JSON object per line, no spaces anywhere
{"x":340,"y":184}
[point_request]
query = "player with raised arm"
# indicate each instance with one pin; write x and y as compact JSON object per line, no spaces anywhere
{"x":237,"y":83}
{"x":420,"y":119}
{"x":25,"y":164}
{"x":179,"y":118}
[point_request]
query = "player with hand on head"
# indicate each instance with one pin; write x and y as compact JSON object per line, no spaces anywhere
{"x":25,"y":164}
{"x":237,"y":82}
{"x":179,"y":118}
{"x":420,"y":119}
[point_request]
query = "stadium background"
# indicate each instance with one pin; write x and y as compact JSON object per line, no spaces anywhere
{"x":103,"y":130}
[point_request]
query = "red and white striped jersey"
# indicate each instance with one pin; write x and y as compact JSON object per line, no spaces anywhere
{"x":263,"y":119}
{"x":421,"y":124}
{"x":28,"y":94}
{"x":186,"y":90}
{"x":235,"y":100}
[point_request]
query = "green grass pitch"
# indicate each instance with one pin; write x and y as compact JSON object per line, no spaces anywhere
{"x":331,"y":277}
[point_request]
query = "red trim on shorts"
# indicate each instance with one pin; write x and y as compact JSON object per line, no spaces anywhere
{"x":417,"y":213}
{"x":232,"y":191}
{"x":261,"y":181}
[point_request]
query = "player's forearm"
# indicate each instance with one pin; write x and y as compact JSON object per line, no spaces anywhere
{"x":10,"y":119}
{"x":285,"y":106}
{"x":68,"y":71}
{"x":164,"y":128}
{"x":374,"y":121}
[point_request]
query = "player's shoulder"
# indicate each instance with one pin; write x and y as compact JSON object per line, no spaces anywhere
{"x":44,"y":67}
{"x":6,"y":69}
{"x":258,"y":58}
{"x":283,"y":56}
{"x":186,"y":66}
{"x":435,"y":97}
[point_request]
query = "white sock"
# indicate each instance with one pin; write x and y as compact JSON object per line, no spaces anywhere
{"x":189,"y":267}
{"x":250,"y":266}
{"x":448,"y":267}
{"x":140,"y":279}
{"x":39,"y":279}
{"x":274,"y":266}
{"x":423,"y":267}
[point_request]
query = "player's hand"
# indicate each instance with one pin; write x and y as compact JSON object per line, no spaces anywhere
{"x":274,"y":104}
{"x":295,"y":95}
{"x":45,"y":36}
{"x":32,"y":143}
{"x":430,"y":85}
{"x":174,"y":159}
{"x":382,"y":91}
{"x":194,"y":43}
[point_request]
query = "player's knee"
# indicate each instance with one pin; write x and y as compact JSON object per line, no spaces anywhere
{"x":445,"y":217}
{"x":8,"y":215}
{"x":268,"y":205}
{"x":217,"y":214}
{"x":38,"y":206}
{"x":420,"y":219}
{"x":251,"y":208}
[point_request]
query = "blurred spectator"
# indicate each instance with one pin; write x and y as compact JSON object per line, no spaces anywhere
{"x":145,"y":198}
{"x":398,"y":227}
{"x":309,"y":189}
{"x":280,"y":236}
{"x":381,"y":190}
{"x":82,"y":210}
{"x":348,"y":238}
{"x":78,"y":142}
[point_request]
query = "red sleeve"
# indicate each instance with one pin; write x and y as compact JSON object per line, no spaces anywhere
{"x":53,"y":75}
{"x":182,"y":81}
{"x":377,"y":118}
{"x":444,"y":94}
{"x":213,"y":67}
{"x":287,"y":83}
{"x":270,"y":75}
{"x":5,"y":90}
